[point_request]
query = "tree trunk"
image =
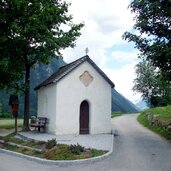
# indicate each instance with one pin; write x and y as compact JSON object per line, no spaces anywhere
{"x":15,"y":124}
{"x":26,"y":99}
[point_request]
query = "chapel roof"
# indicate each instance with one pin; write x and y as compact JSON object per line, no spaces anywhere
{"x":66,"y":69}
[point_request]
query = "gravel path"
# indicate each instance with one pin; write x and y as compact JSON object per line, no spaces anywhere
{"x":135,"y":149}
{"x":101,"y":142}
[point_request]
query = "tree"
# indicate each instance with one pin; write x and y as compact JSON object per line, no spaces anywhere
{"x":153,"y":32}
{"x":31,"y":32}
{"x":155,"y":90}
{"x":0,"y":108}
{"x":8,"y":77}
{"x":164,"y":90}
{"x":145,"y":82}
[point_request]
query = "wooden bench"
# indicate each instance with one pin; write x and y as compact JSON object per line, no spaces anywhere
{"x":39,"y":124}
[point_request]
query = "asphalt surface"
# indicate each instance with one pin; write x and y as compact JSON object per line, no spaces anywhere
{"x":135,"y":149}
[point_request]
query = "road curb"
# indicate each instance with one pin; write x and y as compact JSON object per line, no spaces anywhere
{"x":60,"y":162}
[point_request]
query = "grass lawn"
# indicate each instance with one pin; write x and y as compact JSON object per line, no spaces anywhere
{"x":9,"y":123}
{"x":163,"y":114}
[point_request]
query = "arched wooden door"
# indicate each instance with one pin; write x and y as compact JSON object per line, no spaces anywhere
{"x":84,"y":117}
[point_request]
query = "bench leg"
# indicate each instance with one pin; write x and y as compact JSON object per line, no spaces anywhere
{"x":44,"y":129}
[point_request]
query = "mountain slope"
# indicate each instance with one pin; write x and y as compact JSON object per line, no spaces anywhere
{"x":38,"y":74}
{"x":121,"y":104}
{"x":41,"y":72}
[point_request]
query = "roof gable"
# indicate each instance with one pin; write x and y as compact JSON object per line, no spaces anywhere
{"x":66,"y":69}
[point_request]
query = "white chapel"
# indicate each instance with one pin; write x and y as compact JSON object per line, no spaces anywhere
{"x":76,"y":99}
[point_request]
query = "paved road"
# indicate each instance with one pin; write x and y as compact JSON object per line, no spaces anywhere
{"x":135,"y":149}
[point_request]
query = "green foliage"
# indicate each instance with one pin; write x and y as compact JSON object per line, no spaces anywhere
{"x":32,"y":143}
{"x":22,"y":150}
{"x":76,"y":149}
{"x":153,"y":38}
{"x":145,"y":82}
{"x":17,"y":141}
{"x":6,"y":115}
{"x":149,"y":82}
{"x":38,"y":74}
{"x":10,"y":147}
{"x":9,"y":71}
{"x":163,"y":114}
{"x":0,"y":108}
{"x":153,"y":35}
{"x":51,"y":143}
{"x":31,"y":33}
{"x":7,"y":138}
{"x":61,"y":152}
{"x":95,"y":152}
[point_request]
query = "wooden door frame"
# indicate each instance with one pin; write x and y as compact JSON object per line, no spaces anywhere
{"x":84,"y":118}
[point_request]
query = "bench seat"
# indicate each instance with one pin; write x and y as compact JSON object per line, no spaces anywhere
{"x":40,"y":124}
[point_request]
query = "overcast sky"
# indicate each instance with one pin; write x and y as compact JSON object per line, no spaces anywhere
{"x":105,"y":22}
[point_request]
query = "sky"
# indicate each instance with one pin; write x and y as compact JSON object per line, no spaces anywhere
{"x":105,"y":22}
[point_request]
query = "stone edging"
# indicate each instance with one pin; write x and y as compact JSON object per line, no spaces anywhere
{"x":22,"y":146}
{"x":60,"y":162}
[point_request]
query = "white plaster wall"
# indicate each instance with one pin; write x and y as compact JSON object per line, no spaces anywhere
{"x":47,"y":105}
{"x":71,"y":92}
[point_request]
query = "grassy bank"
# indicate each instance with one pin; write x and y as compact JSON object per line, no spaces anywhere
{"x":161,"y":114}
{"x":114,"y":114}
{"x":9,"y":123}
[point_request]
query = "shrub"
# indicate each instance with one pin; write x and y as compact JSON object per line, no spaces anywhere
{"x":51,"y":143}
{"x":95,"y":152}
{"x":6,"y":115}
{"x":60,"y":152}
{"x":76,"y":149}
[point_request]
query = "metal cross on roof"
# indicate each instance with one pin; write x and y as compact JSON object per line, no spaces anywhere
{"x":86,"y":50}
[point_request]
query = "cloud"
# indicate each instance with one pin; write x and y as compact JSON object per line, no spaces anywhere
{"x":123,"y":79}
{"x":105,"y":23}
{"x":125,"y":57}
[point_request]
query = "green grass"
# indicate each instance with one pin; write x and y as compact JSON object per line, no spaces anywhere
{"x":63,"y":152}
{"x":22,"y":150}
{"x":60,"y":152}
{"x":115,"y":114}
{"x":33,"y":143}
{"x":7,"y":138}
{"x":9,"y":123}
{"x":163,"y":114}
{"x":96,"y":153}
